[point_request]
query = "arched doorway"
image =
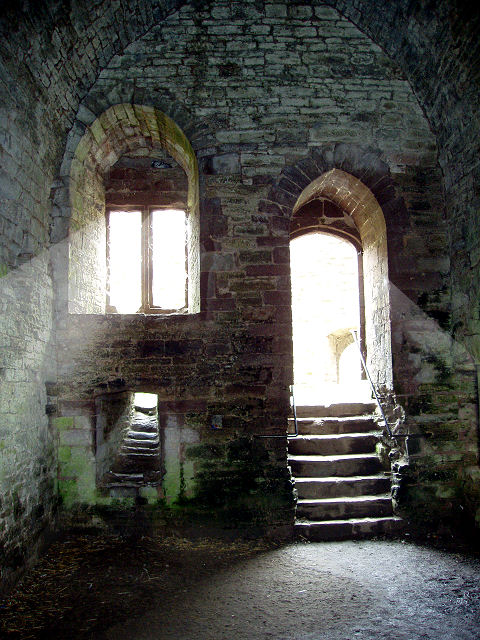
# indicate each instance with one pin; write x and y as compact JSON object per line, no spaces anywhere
{"x":326,"y":310}
{"x":339,"y":204}
{"x":339,"y":277}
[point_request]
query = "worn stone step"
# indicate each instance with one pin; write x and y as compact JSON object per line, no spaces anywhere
{"x":116,"y":480}
{"x":133,"y":483}
{"x":319,"y":531}
{"x":118,"y":477}
{"x":143,"y":435}
{"x":326,"y":426}
{"x":326,"y":445}
{"x":336,"y":410}
{"x":334,"y":487}
{"x":143,"y":427}
{"x":138,"y":455}
{"x":323,"y":466}
{"x":144,"y":451}
{"x":345,"y":508}
{"x":142,"y":444}
{"x":136,"y":463}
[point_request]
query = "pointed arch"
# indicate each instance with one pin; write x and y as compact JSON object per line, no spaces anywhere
{"x":357,"y":201}
{"x":356,"y":181}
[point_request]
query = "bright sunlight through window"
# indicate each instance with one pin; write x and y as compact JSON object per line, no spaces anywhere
{"x":125,"y":260}
{"x":145,"y":400}
{"x":147,"y":260}
{"x":169,"y":275}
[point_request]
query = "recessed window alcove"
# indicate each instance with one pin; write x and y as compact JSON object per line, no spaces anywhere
{"x":131,"y":159}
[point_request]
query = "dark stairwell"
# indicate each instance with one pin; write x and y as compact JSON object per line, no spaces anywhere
{"x":138,"y":462}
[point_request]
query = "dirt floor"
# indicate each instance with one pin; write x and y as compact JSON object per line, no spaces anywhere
{"x":111,"y":588}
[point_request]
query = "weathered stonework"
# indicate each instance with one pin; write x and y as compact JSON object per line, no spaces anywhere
{"x":386,"y":92}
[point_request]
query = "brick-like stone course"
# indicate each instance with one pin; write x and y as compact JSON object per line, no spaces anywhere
{"x":239,"y":282}
{"x":255,"y":87}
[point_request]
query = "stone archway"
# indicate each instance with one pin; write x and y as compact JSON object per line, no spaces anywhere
{"x":81,"y":202}
{"x":359,"y":183}
{"x":357,"y":201}
{"x":345,"y":200}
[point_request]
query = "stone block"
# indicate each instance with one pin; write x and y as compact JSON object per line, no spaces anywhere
{"x":64,"y":454}
{"x":75,"y":438}
{"x":225,"y":164}
{"x":275,"y":10}
{"x":63,"y":423}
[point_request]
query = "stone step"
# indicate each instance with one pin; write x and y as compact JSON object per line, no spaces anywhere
{"x":142,"y":435}
{"x":144,"y":427}
{"x":139,"y":456}
{"x":324,"y":466}
{"x":342,"y":489}
{"x":115,"y":477}
{"x":326,"y":426}
{"x":327,"y":445}
{"x":132,"y":480}
{"x":144,"y":451}
{"x":345,"y":508}
{"x":334,"y":487}
{"x":143,"y":444}
{"x":136,"y":463}
{"x":133,"y":483}
{"x":319,"y":531}
{"x":336,"y":410}
{"x":145,"y":441}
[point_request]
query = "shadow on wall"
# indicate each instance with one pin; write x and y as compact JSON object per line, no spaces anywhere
{"x":438,"y":391}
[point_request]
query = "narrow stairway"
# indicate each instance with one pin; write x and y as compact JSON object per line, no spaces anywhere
{"x":343,"y":490}
{"x":138,"y":463}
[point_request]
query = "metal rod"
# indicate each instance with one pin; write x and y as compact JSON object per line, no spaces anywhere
{"x":354,"y":334}
{"x":294,"y":408}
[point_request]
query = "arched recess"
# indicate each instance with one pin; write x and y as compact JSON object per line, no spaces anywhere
{"x":321,"y":215}
{"x":357,"y":201}
{"x":122,"y":128}
{"x":353,"y":166}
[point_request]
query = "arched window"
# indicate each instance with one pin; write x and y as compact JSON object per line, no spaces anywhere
{"x":134,"y":216}
{"x":147,"y":223}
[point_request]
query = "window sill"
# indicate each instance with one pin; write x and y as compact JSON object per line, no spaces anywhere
{"x":149,"y":314}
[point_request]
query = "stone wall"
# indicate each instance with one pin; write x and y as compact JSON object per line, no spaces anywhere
{"x":200,"y":370}
{"x":27,"y":461}
{"x":87,"y":268}
{"x":27,"y":359}
{"x":277,"y":96}
{"x":133,"y":180}
{"x":283,"y":78}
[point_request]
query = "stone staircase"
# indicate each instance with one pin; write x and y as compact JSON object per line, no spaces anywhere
{"x":138,"y":463}
{"x":343,"y":490}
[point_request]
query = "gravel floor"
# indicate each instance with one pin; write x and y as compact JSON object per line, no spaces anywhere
{"x":112,"y":588}
{"x":327,"y":591}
